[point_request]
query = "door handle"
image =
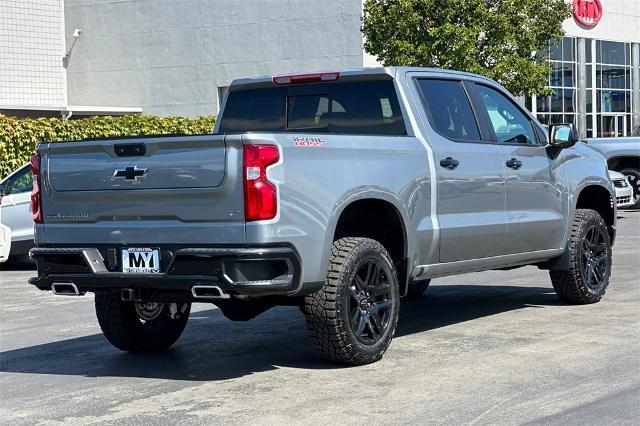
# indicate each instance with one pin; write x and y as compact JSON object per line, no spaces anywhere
{"x":449,"y":163}
{"x":514,"y":163}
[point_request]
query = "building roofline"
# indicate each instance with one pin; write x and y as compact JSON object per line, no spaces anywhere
{"x":76,"y":109}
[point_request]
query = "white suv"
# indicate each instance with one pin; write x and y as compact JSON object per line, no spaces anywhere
{"x":624,"y":191}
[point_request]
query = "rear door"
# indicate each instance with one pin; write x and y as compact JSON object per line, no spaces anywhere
{"x":470,"y":173}
{"x":536,"y":202}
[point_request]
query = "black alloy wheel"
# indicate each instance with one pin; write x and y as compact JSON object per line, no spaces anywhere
{"x":596,"y":262}
{"x":589,"y":261}
{"x":353,"y":317}
{"x":370,"y":302}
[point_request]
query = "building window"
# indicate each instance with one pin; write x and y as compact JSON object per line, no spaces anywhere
{"x":560,"y":106}
{"x":611,"y":88}
{"x":608,"y":86}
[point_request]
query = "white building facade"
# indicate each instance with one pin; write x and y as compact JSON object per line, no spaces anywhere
{"x":31,"y":52}
{"x":170,"y":57}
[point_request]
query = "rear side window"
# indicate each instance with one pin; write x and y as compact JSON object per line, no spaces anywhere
{"x":448,"y":109}
{"x":361,"y":107}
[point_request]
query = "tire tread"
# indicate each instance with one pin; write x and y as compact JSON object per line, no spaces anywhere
{"x":326,"y":329}
{"x":119,"y":325}
{"x":569,"y":284}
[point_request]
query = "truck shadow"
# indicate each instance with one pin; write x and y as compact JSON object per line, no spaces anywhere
{"x":213,"y":348}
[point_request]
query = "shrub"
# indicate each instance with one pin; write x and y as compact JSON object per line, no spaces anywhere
{"x":18,"y":137}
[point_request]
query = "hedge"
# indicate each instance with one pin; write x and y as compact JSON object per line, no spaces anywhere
{"x":18,"y":137}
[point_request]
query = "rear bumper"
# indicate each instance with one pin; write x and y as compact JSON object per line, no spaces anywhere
{"x":22,"y":247}
{"x":257,"y":271}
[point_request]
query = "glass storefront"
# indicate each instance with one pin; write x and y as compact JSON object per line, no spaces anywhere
{"x":608,"y":87}
{"x":611,"y":92}
{"x":560,"y":107}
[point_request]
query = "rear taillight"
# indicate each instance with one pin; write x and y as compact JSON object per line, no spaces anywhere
{"x":36,"y":196}
{"x":260,"y":195}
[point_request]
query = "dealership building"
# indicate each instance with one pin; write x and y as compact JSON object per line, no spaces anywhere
{"x":85,"y":57}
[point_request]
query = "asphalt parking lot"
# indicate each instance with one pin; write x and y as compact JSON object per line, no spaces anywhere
{"x":488,"y":348}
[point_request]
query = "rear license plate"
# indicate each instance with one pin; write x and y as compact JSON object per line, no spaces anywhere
{"x":140,"y":261}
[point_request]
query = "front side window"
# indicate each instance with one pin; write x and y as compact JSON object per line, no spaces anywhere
{"x":509,"y":123}
{"x":448,"y":109}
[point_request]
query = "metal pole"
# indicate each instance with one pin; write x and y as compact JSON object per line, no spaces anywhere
{"x":635,"y":86}
{"x":582,"y":89}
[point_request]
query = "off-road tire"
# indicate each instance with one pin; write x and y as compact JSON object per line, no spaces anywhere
{"x":417,"y":288}
{"x":633,"y":176}
{"x":124,"y":329}
{"x":571,"y":285}
{"x":327,"y":310}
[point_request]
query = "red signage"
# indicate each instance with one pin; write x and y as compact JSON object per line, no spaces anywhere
{"x":587,"y":12}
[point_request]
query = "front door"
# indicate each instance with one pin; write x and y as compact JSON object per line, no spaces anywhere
{"x":470,"y":175}
{"x":536,"y":202}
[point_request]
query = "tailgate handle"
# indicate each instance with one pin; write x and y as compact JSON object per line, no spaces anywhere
{"x":130,"y":149}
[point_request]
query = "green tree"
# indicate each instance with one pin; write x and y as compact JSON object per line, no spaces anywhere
{"x":496,"y":38}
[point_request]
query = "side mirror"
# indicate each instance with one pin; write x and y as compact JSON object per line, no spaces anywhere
{"x":562,"y":135}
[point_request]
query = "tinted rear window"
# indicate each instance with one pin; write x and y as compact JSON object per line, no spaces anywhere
{"x":365,"y":107}
{"x":448,"y":109}
{"x":259,"y":110}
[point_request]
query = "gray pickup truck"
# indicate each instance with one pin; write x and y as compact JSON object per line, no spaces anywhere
{"x":338,"y":192}
{"x":623,"y":155}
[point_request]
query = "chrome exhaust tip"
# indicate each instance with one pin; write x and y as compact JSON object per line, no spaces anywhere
{"x":65,"y":289}
{"x":208,"y":292}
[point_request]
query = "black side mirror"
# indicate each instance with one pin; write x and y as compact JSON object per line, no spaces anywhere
{"x":562,"y":135}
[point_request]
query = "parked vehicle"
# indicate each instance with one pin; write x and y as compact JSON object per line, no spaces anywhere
{"x":15,"y":203}
{"x":5,"y":242}
{"x":623,"y":155}
{"x":339,"y":192}
{"x":624,"y":191}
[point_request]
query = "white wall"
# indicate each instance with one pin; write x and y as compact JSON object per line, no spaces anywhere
{"x":620,"y":22}
{"x":31,"y":52}
{"x":170,"y":56}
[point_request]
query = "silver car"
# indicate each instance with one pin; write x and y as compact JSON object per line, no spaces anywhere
{"x":15,"y":206}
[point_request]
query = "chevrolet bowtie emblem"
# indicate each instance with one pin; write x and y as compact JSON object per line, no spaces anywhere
{"x":130,"y":173}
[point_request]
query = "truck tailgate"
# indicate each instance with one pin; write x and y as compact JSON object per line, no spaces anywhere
{"x":166,"y":163}
{"x":143,"y":190}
